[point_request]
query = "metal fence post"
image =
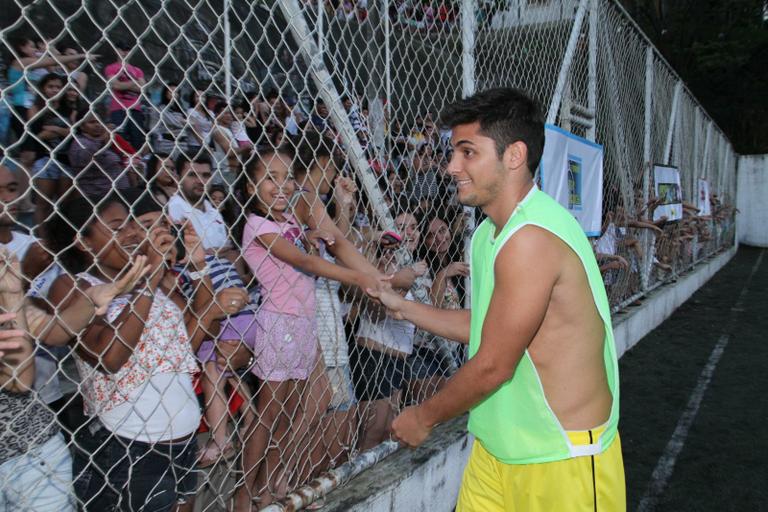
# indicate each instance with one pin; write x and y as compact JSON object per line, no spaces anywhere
{"x":293,"y":14}
{"x":647,"y":163}
{"x":227,"y":54}
{"x":592,"y":69}
{"x":468,"y":34}
{"x":565,"y":67}
{"x":672,"y":122}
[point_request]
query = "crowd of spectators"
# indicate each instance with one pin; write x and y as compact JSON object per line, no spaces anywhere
{"x":203,"y":264}
{"x":185,"y":252}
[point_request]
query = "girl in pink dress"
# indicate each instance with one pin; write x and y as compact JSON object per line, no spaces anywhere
{"x":286,"y":348}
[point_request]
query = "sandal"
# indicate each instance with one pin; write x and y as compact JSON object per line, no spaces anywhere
{"x":212,"y":454}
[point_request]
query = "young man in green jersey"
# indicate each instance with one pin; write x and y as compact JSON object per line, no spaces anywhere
{"x":541,"y":384}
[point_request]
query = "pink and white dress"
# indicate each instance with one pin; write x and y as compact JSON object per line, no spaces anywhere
{"x":286,"y":346}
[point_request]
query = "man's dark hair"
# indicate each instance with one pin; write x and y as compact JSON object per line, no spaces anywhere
{"x":200,"y":158}
{"x":505,"y":115}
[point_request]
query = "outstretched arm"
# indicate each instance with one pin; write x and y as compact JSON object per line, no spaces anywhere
{"x":447,"y":323}
{"x":311,"y":212}
{"x":283,"y":250}
{"x":507,"y":332}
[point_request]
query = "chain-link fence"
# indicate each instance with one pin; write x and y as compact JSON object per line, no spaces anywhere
{"x":195,"y":192}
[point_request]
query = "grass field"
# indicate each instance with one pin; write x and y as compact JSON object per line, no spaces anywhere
{"x":722,"y":463}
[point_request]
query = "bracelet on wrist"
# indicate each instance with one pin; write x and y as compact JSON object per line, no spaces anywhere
{"x":144,"y":293}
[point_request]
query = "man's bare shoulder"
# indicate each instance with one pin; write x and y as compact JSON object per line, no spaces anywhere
{"x":533,"y":245}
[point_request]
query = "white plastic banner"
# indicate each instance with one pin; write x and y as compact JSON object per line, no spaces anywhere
{"x":667,"y":180}
{"x":571,"y":171}
{"x":702,"y":198}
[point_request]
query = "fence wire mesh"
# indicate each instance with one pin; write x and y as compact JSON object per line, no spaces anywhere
{"x":195,"y":192}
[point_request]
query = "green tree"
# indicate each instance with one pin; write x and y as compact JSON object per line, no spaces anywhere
{"x":720,"y":49}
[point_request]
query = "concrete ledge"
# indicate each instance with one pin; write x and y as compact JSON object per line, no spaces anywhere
{"x":424,"y":479}
{"x":428,"y":478}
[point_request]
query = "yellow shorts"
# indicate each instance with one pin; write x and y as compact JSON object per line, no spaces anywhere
{"x":589,"y":483}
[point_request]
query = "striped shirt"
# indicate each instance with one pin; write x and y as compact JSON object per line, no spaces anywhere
{"x":223,"y":275}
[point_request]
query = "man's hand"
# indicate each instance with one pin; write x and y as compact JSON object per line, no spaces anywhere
{"x":393,"y":301}
{"x":366,"y":281}
{"x":409,"y":427}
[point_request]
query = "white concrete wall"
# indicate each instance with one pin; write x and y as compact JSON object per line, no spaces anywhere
{"x":428,"y":479}
{"x":752,"y":200}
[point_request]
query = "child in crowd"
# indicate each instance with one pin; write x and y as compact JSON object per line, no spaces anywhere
{"x":136,"y":363}
{"x":96,"y":162}
{"x":217,"y":195}
{"x":35,"y":464}
{"x":169,"y":126}
{"x":240,"y":326}
{"x":200,"y":121}
{"x":26,"y":69}
{"x":49,"y":128}
{"x":286,"y":346}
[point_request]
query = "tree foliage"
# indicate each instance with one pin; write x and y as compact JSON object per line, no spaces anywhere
{"x":720,"y":49}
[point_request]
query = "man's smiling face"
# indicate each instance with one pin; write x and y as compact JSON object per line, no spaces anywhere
{"x":475,"y":165}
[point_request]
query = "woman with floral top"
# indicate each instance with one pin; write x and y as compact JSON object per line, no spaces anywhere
{"x":35,"y":464}
{"x":136,"y":362}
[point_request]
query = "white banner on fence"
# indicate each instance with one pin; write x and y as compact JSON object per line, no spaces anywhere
{"x":702,"y":201}
{"x":571,"y":171}
{"x":668,"y":189}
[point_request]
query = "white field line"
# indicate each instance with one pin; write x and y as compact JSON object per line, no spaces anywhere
{"x":666,"y":465}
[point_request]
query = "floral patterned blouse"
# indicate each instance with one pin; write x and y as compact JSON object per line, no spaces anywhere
{"x":163,"y":348}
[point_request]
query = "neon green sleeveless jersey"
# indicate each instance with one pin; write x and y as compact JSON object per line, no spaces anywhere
{"x":515,"y":424}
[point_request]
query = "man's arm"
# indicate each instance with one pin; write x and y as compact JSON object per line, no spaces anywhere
{"x":519,"y":303}
{"x":447,"y":323}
